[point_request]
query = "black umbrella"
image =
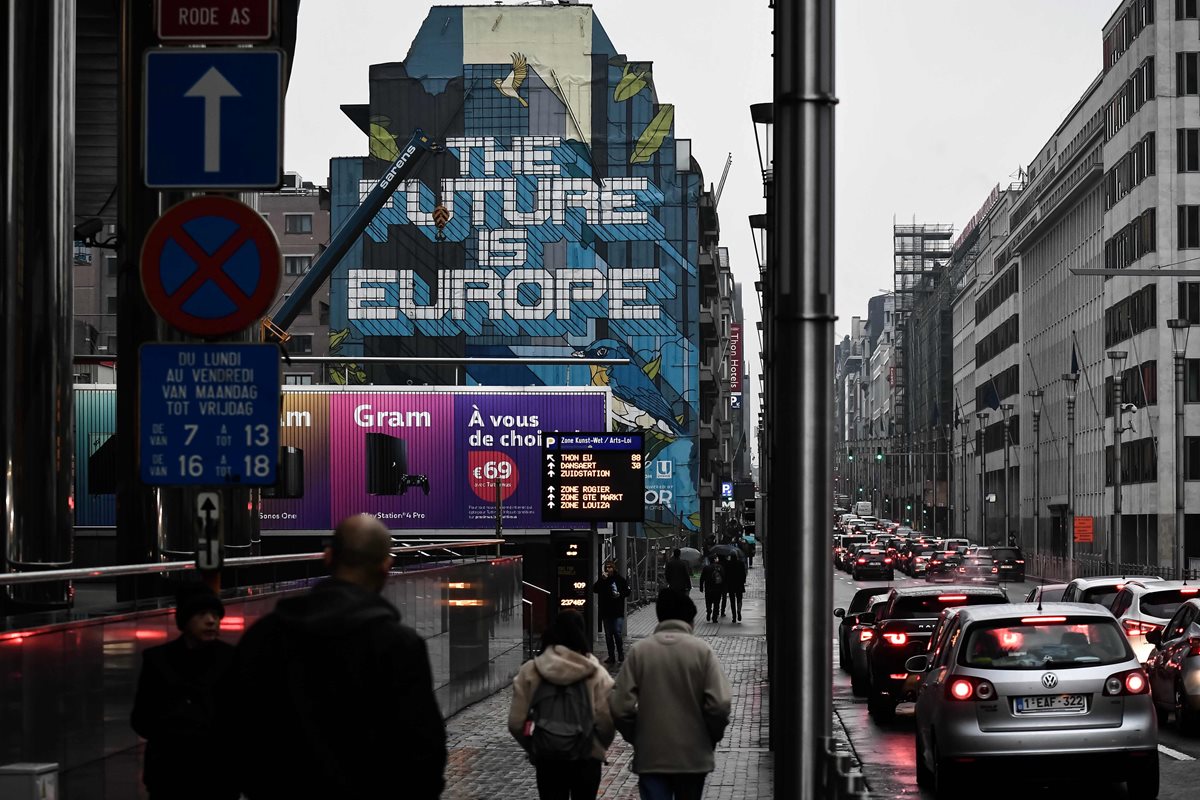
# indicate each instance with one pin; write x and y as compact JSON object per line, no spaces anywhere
{"x":727,"y":550}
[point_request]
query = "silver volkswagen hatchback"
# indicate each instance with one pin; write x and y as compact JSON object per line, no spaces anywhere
{"x":1035,"y":694}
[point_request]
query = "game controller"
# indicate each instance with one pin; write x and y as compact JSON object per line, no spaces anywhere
{"x":414,"y":480}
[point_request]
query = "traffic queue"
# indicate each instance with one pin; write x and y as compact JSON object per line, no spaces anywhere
{"x":1072,"y":678}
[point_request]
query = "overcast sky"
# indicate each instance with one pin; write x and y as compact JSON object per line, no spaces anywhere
{"x":940,"y":100}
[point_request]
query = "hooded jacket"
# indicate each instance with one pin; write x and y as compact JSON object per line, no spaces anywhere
{"x":563,"y":666}
{"x":336,"y":699}
{"x":671,"y":701}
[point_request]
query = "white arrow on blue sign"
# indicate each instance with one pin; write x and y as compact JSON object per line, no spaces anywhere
{"x":213,"y":118}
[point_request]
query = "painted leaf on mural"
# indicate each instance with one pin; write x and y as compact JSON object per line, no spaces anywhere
{"x":652,"y":368}
{"x":383,"y":143}
{"x":652,"y":138}
{"x":336,"y":338}
{"x":630,"y":84}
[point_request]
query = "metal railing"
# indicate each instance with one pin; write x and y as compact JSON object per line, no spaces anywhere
{"x":1043,"y":566}
{"x":85,"y":573}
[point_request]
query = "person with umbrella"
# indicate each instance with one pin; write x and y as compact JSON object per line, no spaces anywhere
{"x":677,"y":573}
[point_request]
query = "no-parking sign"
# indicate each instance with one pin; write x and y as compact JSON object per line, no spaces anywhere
{"x":210,"y":266}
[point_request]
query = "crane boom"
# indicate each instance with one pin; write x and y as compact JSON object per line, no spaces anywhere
{"x":406,"y":163}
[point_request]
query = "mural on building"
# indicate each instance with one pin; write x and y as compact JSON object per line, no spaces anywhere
{"x":562,"y":220}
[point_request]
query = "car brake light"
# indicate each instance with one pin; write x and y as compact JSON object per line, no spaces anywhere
{"x":950,"y":598}
{"x":1135,"y":628}
{"x":1020,"y":561}
{"x":862,"y":561}
{"x":1131,"y":682}
{"x":1189,"y":590}
{"x":887,"y":561}
{"x":1041,"y":620}
{"x":898,"y":676}
{"x":961,"y":690}
{"x":866,"y":635}
{"x":896,"y":638}
{"x":1193,"y":647}
{"x":994,"y":570}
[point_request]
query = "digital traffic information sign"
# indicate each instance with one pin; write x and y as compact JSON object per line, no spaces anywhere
{"x":593,"y":477}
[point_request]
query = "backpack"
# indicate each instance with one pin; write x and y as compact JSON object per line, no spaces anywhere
{"x":562,"y":722}
{"x":718,"y":575}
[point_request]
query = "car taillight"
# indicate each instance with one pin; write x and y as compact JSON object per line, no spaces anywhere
{"x":1020,"y":561}
{"x":968,"y":688}
{"x":951,"y":598}
{"x":918,"y":559}
{"x":1135,"y":628}
{"x":887,"y":561}
{"x":862,"y":561}
{"x":1131,"y":682}
{"x":866,"y":635}
{"x":896,"y":638}
{"x":1193,"y":647}
{"x":962,"y":569}
{"x":994,"y":570}
{"x":1189,"y":590}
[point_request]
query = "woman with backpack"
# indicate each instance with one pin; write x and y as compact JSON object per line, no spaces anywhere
{"x":559,"y":712}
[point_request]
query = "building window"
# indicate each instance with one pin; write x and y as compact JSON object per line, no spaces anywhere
{"x":1137,"y":90}
{"x":300,"y":344}
{"x":298,"y":380}
{"x":297,"y":223}
{"x":110,"y":266}
{"x":1187,"y":157}
{"x":323,"y":313}
{"x":1132,"y":241}
{"x":1191,"y":458}
{"x":110,"y":304}
{"x":1187,"y":73}
{"x":1185,"y":9}
{"x":1189,"y":302}
{"x":1191,"y":384}
{"x":1189,"y":227}
{"x":1136,"y":313}
{"x":296,"y":265}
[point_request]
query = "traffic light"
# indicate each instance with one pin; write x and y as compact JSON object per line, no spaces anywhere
{"x":850,"y":457}
{"x":879,"y":454}
{"x":908,"y":506}
{"x":860,"y":490}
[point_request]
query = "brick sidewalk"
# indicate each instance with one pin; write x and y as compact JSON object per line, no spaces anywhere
{"x":485,"y":763}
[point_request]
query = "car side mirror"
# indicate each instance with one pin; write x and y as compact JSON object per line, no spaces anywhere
{"x":917,"y":664}
{"x":839,"y":612}
{"x":1154,"y":637}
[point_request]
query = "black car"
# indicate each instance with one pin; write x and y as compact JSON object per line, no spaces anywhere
{"x":943,"y":566}
{"x":859,"y":604}
{"x":1010,"y":562}
{"x":903,"y":629}
{"x":978,"y":569}
{"x":873,"y":561}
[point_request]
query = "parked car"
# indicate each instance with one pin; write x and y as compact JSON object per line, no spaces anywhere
{"x":1142,"y":607}
{"x":1101,"y":590}
{"x":1174,"y":668}
{"x":902,"y":629}
{"x":1016,"y":693}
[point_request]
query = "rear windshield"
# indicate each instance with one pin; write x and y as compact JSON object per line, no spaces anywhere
{"x":1053,"y":595}
{"x":1165,"y":603}
{"x":1101,"y":595}
{"x":852,"y":540}
{"x":1017,"y":644}
{"x":1006,"y":552}
{"x":930,"y":605}
{"x":972,"y":561}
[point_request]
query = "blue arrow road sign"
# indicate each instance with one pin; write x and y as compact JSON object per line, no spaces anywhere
{"x":209,"y":414}
{"x":213,"y":118}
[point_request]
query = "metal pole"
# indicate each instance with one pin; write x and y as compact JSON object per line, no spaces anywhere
{"x":1036,"y":396}
{"x":1071,"y":379}
{"x":1006,"y":409}
{"x":804,"y":162}
{"x":980,"y":443}
{"x":962,"y":479}
{"x":1180,"y":367}
{"x":1112,"y":550}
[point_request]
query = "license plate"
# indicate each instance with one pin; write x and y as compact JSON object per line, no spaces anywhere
{"x":1051,"y":704}
{"x":1005,"y":566}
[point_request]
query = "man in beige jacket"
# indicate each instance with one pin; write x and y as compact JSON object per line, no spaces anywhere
{"x":671,"y":702}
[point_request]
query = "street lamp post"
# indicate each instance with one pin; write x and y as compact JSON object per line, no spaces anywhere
{"x":1117,"y":357}
{"x":980,"y":436}
{"x":1036,"y":396}
{"x":1179,"y":335}
{"x":962,"y":478}
{"x":1071,"y":379}
{"x":1006,"y":410}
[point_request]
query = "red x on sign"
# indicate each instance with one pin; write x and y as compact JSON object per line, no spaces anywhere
{"x":210,"y":266}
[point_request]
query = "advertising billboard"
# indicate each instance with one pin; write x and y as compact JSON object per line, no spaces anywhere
{"x":419,"y":458}
{"x":562,"y":220}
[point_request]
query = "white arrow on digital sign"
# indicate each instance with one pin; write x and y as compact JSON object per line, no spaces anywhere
{"x":550,"y":473}
{"x":212,"y":87}
{"x":550,"y":504}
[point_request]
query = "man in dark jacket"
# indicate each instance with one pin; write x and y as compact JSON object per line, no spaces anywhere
{"x":180,"y":689}
{"x":336,"y":695}
{"x":735,"y":585}
{"x":611,"y":591}
{"x":712,"y":585}
{"x":678,"y":576}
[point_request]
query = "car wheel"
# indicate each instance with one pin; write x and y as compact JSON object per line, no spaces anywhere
{"x":1185,"y":717}
{"x":947,"y":778}
{"x":1163,"y":714}
{"x":881,"y":708}
{"x":1143,"y":784}
{"x":924,"y":774}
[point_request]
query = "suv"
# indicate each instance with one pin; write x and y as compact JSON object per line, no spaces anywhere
{"x":872,"y":560}
{"x":1010,"y":561}
{"x":1022,"y":692}
{"x":903,"y":629}
{"x":1142,"y":607}
{"x":1101,"y":590}
{"x":859,"y":604}
{"x":1174,"y":668}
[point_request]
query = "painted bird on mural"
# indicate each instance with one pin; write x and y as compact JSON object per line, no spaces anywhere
{"x":637,"y":402}
{"x":511,"y":85}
